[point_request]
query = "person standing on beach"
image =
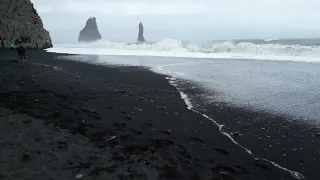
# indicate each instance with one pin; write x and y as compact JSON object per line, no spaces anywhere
{"x":46,"y":45}
{"x":2,"y":39}
{"x":22,"y":54}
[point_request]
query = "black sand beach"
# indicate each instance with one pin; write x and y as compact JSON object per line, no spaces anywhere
{"x":64,"y":120}
{"x":289,"y":141}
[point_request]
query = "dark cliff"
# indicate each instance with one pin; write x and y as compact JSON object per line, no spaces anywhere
{"x":90,"y":32}
{"x":20,"y":23}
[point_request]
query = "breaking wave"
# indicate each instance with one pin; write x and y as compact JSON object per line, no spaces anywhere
{"x":178,"y":48}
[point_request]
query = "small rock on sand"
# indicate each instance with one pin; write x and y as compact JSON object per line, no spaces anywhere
{"x":25,"y":157}
{"x":79,"y":176}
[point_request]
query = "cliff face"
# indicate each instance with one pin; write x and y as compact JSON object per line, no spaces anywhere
{"x":140,"y":35}
{"x":90,"y":32}
{"x":20,"y":23}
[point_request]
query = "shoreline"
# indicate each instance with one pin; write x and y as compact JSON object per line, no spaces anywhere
{"x":84,"y":83}
{"x":233,"y":136}
{"x":287,"y":137}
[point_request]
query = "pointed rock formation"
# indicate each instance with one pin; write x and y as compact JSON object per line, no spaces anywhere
{"x":20,"y":23}
{"x":140,"y":35}
{"x":90,"y":32}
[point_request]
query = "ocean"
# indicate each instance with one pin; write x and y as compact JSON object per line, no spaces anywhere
{"x":278,"y":76}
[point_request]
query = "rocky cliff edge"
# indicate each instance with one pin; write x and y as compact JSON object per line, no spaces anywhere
{"x":20,"y":23}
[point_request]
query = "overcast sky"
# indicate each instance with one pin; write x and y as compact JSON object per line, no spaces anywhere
{"x":182,"y":19}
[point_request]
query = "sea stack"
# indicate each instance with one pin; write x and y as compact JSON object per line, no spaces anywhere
{"x":140,"y":35}
{"x":90,"y":32}
{"x":20,"y":23}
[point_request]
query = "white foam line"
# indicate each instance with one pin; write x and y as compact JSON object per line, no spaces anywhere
{"x":176,"y":64}
{"x":187,"y":100}
{"x":198,"y":55}
{"x":111,"y":138}
{"x":161,"y":67}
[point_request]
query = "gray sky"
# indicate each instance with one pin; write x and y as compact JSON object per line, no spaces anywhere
{"x":197,"y":20}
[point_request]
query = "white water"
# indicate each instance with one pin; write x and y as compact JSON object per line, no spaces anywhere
{"x":177,"y":48}
{"x":288,"y":88}
{"x":187,"y":100}
{"x":283,"y":86}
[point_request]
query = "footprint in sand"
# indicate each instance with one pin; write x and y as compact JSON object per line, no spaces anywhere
{"x":121,"y":125}
{"x":222,"y":151}
{"x":128,"y":117}
{"x":166,"y":132}
{"x":137,"y":132}
{"x":194,"y":139}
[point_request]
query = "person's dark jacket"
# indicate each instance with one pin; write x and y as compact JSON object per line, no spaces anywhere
{"x":21,"y":51}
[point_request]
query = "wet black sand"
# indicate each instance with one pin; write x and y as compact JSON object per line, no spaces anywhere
{"x":289,"y":141}
{"x":62,"y":119}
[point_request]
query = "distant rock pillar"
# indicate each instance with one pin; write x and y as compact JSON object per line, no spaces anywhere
{"x":140,"y":35}
{"x":90,"y":32}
